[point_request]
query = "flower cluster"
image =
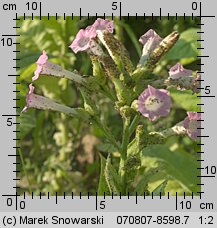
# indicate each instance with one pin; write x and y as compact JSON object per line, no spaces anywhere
{"x":152,"y":103}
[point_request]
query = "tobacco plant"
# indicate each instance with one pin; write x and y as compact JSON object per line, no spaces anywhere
{"x":136,"y":92}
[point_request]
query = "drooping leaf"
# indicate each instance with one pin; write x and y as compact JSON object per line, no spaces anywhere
{"x":179,"y":165}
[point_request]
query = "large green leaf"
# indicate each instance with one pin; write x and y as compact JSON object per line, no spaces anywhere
{"x":185,"y":49}
{"x":179,"y":165}
{"x":102,"y":187}
{"x":186,"y":99}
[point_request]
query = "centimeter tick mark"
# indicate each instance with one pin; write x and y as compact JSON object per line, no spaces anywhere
{"x":96,"y":201}
{"x":40,"y":10}
{"x":120,"y":10}
{"x":176,"y":201}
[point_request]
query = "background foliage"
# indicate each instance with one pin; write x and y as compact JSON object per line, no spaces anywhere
{"x":62,"y":154}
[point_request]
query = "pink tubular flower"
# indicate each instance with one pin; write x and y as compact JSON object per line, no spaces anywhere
{"x":82,"y":40}
{"x":192,"y":124}
{"x":154,"y":103}
{"x":150,"y":41}
{"x":40,"y":102}
{"x":52,"y":69}
{"x":103,"y":25}
{"x":29,"y":97}
{"x":179,"y":71}
{"x":40,"y":62}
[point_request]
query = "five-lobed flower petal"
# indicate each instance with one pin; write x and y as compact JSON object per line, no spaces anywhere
{"x":192,"y":124}
{"x":151,"y":38}
{"x":103,"y":25}
{"x":154,"y":103}
{"x":178,"y":71}
{"x":83,"y":39}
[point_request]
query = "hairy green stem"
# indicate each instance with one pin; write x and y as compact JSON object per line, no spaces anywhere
{"x":134,"y":124}
{"x":123,"y":158}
